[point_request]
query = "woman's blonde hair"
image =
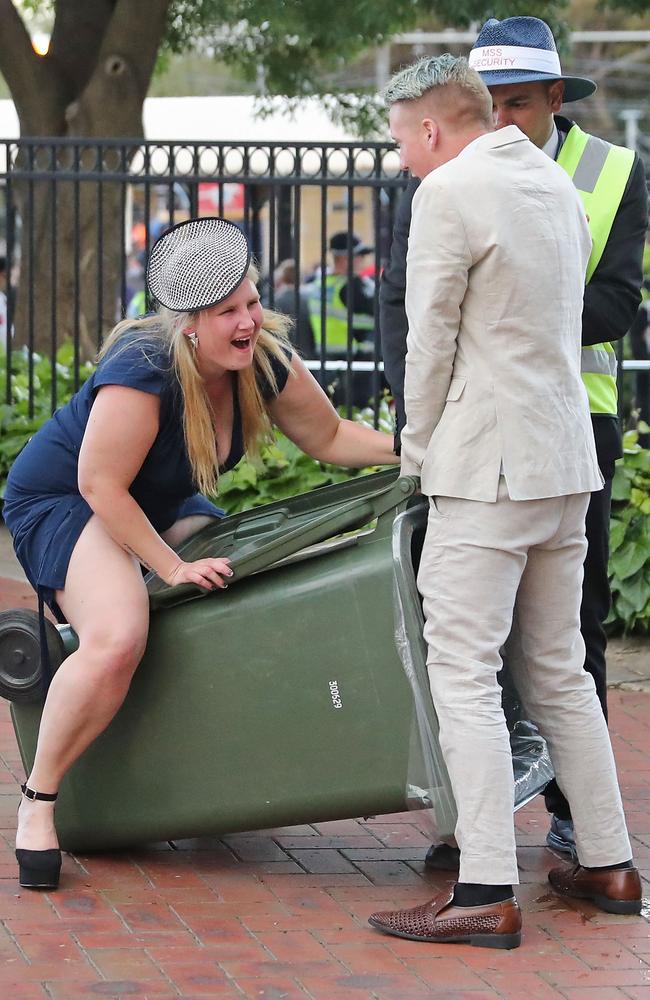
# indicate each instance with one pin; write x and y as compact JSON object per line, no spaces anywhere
{"x":198,"y":420}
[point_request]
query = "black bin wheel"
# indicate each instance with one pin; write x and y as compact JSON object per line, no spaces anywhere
{"x":20,"y":655}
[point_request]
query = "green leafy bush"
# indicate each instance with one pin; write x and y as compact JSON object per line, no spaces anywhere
{"x":281,"y":471}
{"x":629,"y":562}
{"x":16,"y":424}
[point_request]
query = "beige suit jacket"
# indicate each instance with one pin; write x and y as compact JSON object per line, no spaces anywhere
{"x":496,"y":263}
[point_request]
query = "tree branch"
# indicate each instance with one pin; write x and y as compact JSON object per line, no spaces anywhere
{"x":135,"y":33}
{"x":26,"y":73}
{"x":77,"y":36}
{"x":112,"y":101}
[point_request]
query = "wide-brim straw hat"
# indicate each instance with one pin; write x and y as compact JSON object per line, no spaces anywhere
{"x":197,"y":264}
{"x":522,"y":50}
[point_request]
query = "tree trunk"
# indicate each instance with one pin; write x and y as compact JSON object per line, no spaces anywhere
{"x":90,"y":86}
{"x":71,"y":262}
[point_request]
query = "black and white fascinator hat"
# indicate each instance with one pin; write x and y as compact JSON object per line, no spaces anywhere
{"x":197,"y":264}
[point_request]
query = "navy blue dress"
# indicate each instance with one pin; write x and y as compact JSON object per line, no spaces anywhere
{"x":43,"y":508}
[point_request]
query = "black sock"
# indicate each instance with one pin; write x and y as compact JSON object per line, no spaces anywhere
{"x":476,"y":894}
{"x":610,"y":868}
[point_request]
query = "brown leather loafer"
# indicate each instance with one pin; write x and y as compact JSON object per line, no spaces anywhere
{"x":497,"y":925}
{"x":616,"y":891}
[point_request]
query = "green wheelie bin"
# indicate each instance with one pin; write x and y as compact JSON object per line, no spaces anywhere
{"x":295,"y":696}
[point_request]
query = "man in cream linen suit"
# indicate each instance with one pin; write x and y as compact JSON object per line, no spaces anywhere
{"x":498,"y":428}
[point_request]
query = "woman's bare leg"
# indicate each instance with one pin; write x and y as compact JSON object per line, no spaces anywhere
{"x":106,"y":603}
{"x":185,"y":527}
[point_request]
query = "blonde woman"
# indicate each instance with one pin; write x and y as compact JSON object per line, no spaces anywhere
{"x":116,"y":478}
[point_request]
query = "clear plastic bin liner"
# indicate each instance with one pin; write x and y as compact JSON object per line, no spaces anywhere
{"x":428,"y":782}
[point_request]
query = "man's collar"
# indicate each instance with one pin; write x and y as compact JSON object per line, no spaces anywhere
{"x":471,"y":146}
{"x":563,"y":127}
{"x":563,"y":124}
{"x":500,"y":137}
{"x":551,"y":145}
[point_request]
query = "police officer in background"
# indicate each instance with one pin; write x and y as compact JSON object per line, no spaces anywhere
{"x":518,"y":61}
{"x":336,"y":291}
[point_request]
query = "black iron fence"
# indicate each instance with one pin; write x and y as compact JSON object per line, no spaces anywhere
{"x":78,"y":218}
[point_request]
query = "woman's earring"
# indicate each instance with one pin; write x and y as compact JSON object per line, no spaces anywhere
{"x":193,"y":339}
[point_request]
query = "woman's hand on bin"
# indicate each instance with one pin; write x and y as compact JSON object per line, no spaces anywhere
{"x":206,"y":573}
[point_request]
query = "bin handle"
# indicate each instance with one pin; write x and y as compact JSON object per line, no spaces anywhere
{"x":333,"y":522}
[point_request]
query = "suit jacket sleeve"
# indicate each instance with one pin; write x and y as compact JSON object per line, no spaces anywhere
{"x":437,"y":273}
{"x":392,"y":311}
{"x":613,"y":295}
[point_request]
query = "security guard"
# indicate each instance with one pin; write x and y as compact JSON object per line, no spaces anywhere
{"x":518,"y":61}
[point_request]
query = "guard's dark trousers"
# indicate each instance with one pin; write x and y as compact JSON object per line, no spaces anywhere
{"x":594,"y":609}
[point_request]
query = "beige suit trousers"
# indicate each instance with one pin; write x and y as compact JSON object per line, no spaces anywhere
{"x":487,"y":567}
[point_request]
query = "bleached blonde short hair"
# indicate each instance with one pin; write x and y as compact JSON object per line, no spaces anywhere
{"x":448,"y":79}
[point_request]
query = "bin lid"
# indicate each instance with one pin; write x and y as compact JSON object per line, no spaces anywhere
{"x":256,"y":539}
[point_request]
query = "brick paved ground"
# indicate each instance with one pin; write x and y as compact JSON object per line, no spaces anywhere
{"x":281,"y":915}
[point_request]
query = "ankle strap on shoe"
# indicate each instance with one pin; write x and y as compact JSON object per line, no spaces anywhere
{"x":29,"y":793}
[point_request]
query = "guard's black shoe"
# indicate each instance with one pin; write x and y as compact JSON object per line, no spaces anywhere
{"x":442,"y":858}
{"x":561,"y":837}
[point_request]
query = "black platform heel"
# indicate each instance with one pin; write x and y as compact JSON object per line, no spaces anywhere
{"x":38,"y":869}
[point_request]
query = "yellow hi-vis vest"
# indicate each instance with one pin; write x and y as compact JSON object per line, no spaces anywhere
{"x":600,"y":172}
{"x":336,"y":314}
